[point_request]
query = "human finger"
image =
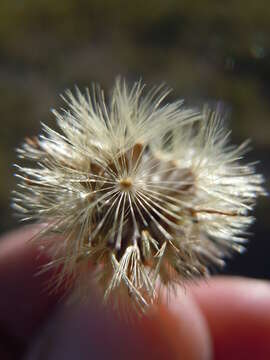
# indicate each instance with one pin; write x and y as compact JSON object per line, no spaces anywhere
{"x":238,"y":314}
{"x":174,"y":331}
{"x":24,"y":303}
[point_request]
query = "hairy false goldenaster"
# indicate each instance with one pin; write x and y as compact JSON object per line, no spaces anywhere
{"x":138,"y":189}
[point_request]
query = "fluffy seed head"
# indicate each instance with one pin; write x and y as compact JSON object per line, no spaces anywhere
{"x":139,"y":191}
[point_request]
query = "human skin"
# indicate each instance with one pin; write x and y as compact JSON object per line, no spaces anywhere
{"x":223,"y":318}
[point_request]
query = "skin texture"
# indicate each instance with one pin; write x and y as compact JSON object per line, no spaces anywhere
{"x":224,"y":318}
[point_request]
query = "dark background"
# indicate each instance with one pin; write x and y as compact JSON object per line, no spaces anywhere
{"x":205,"y":50}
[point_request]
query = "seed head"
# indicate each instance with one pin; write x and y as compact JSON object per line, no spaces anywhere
{"x":139,"y":191}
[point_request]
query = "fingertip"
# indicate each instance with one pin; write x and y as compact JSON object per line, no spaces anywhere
{"x":238,"y":314}
{"x":176,"y":331}
{"x":188,"y":328}
{"x":23,"y":301}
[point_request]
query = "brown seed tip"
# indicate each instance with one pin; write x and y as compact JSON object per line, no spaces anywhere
{"x":125,"y":183}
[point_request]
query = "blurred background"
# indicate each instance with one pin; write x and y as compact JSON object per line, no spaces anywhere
{"x":205,"y":50}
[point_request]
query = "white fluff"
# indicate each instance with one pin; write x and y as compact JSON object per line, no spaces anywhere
{"x":138,"y":188}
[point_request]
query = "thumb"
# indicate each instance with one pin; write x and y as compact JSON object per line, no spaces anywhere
{"x":91,"y":331}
